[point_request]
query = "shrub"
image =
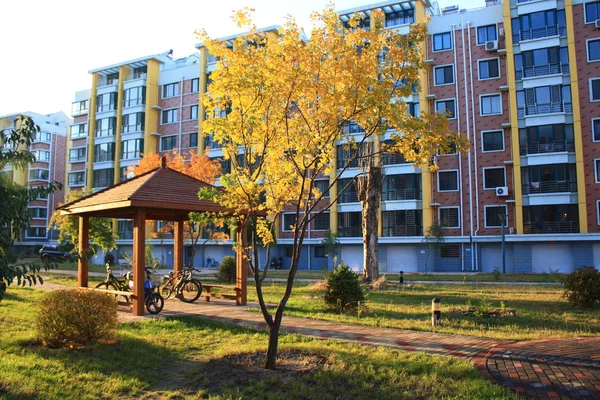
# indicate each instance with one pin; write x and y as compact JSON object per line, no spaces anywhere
{"x":75,"y":318}
{"x":582,"y":287}
{"x":109,"y":259}
{"x":343,"y":292}
{"x":227,"y":270}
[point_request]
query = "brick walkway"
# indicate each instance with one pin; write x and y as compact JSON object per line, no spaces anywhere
{"x":546,"y":369}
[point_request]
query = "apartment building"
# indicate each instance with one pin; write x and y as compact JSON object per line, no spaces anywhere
{"x":517,"y":78}
{"x":48,"y":147}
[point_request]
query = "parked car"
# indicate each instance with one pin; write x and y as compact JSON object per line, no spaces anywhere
{"x":52,"y":253}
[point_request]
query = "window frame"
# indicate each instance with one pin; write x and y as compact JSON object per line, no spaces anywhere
{"x":165,"y":90}
{"x":326,"y":194}
{"x":38,"y":208}
{"x":190,"y":140}
{"x":592,"y":92}
{"x":587,"y":49}
{"x":37,"y":178}
{"x":457,"y":245}
{"x":438,"y":181}
{"x":594,"y":133}
{"x":314,"y":222}
{"x":482,"y":96}
{"x":167,"y":137}
{"x":457,"y":226}
{"x":445,"y":100}
{"x":446,"y":83}
{"x":484,"y":169}
{"x":443,"y":49}
{"x":487,"y":39}
{"x":324,"y":254}
{"x":197,"y":80}
{"x":78,"y":160}
{"x":283,"y":225}
{"x":598,"y":212}
{"x":169,"y":110}
{"x":585,"y":17}
{"x":36,"y":237}
{"x":483,"y":150}
{"x":195,"y":106}
{"x":479,"y":78}
{"x":485,"y":208}
{"x":597,"y":170}
{"x":76,"y":184}
{"x":40,"y":151}
{"x":80,"y":134}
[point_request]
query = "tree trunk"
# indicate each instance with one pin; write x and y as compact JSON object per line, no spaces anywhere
{"x":273,"y":343}
{"x":369,"y":189}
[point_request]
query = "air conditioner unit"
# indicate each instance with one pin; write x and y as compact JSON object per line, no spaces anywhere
{"x":491,"y":45}
{"x":501,"y":32}
{"x":598,"y":24}
{"x":502,"y":191}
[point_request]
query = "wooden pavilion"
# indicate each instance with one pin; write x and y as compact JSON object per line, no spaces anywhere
{"x":160,"y":194}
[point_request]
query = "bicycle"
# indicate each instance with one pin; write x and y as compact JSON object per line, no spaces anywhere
{"x":182,"y":285}
{"x":211,"y":263}
{"x":114,"y":283}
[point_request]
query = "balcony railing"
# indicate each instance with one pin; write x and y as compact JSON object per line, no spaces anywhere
{"x":350,"y":231}
{"x":393,"y":159}
{"x":348,"y":197}
{"x":401,"y":194}
{"x":403,"y":230}
{"x":551,"y":227}
{"x":557,"y":146}
{"x":541,"y":70}
{"x":538,"y":33}
{"x":125,"y":234}
{"x":549,"y":187}
{"x":548,"y":108}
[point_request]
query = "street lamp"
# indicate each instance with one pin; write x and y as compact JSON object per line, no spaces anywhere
{"x":503,"y":218}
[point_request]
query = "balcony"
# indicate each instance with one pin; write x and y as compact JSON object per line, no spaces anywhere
{"x":557,"y":146}
{"x":350,"y":231}
{"x":401,"y":194}
{"x":547,"y":108}
{"x":539,"y":33}
{"x":393,"y":159}
{"x":403,"y":230}
{"x":549,"y":187}
{"x":128,"y":234}
{"x":348,"y":197}
{"x":541,"y":70}
{"x":551,"y":227}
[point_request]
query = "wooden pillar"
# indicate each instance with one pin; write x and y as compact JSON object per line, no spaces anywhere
{"x":139,"y":262}
{"x":178,"y":246}
{"x":84,"y":244}
{"x":241,"y":267}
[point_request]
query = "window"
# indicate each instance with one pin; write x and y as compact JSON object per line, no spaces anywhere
{"x":540,"y":62}
{"x":194,"y":112}
{"x":38,"y":212}
{"x":134,"y":122}
{"x":446,"y":107}
{"x":125,"y":174}
{"x":492,"y":216}
{"x":289,"y":251}
{"x":140,"y":72}
{"x":492,"y":140}
{"x":38,"y":174}
{"x":447,"y":181}
{"x":593,"y":50}
{"x":486,"y":33}
{"x":107,"y":102}
{"x":402,"y":223}
{"x":400,"y":17}
{"x":42,"y":137}
{"x":289,"y":220}
{"x":442,"y":41}
{"x":106,"y":127}
{"x":132,"y":149}
{"x":76,"y":179}
{"x":595,"y":89}
{"x":321,"y":222}
{"x":168,"y":143}
{"x":78,"y":154}
{"x":170,"y":90}
{"x":494,"y":177}
{"x":79,"y":107}
{"x":349,"y":224}
{"x":449,"y":217}
{"x":134,"y":96}
{"x":444,"y":75}
{"x":597,"y":169}
{"x":41,"y":155}
{"x":169,"y":116}
{"x":491,"y":104}
{"x":450,"y":251}
{"x":78,"y":131}
{"x":596,"y":129}
{"x":103,"y":178}
{"x":195,"y":85}
{"x":104,"y":152}
{"x":36,"y":232}
{"x":489,"y":69}
{"x":323,"y":186}
{"x":42,"y":196}
{"x":592,"y":12}
{"x":539,"y":25}
{"x":320,"y":252}
{"x":193,"y":140}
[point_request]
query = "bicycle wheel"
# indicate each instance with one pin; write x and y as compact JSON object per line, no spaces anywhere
{"x":111,"y":286}
{"x":154,"y":303}
{"x":167,"y":290}
{"x":190,"y":291}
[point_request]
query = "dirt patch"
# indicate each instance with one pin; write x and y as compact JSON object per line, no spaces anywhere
{"x":242,"y":369}
{"x":318,"y":286}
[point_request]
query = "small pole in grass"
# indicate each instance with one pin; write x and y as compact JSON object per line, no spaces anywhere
{"x":401,"y":279}
{"x":436,"y":313}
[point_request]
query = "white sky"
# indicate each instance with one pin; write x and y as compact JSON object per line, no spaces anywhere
{"x":47,"y":46}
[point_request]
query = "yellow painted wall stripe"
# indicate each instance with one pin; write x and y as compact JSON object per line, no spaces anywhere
{"x":581,"y":197}
{"x":201,"y":91}
{"x":124,"y":72}
{"x":151,"y":117}
{"x":91,"y":132}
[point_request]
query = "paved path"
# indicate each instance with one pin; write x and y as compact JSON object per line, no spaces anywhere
{"x":546,"y":369}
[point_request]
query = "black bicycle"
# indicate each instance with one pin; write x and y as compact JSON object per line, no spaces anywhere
{"x":114,"y":283}
{"x":182,"y":285}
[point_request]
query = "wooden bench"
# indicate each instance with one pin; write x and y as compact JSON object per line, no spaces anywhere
{"x":123,"y":293}
{"x":206,"y":292}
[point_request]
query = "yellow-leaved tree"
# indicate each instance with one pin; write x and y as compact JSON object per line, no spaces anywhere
{"x":278,"y":104}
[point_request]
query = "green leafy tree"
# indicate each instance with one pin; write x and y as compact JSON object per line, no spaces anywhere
{"x":14,"y":217}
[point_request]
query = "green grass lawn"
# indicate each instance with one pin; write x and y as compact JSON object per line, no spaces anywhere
{"x":193,"y":358}
{"x":541,"y":310}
